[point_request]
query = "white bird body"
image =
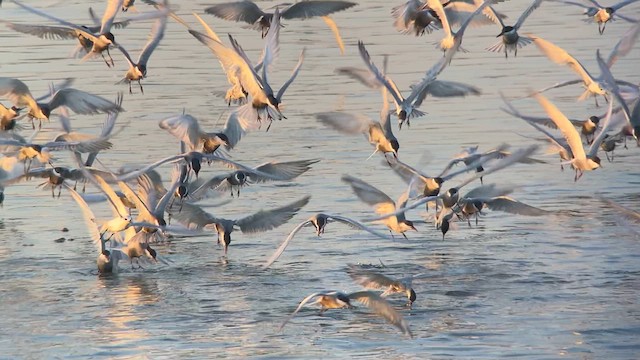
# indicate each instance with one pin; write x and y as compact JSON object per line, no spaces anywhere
{"x":581,"y":160}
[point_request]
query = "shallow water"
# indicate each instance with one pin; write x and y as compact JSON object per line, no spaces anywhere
{"x":558,"y":286}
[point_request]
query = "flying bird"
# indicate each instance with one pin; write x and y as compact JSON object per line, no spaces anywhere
{"x":319,"y":221}
{"x":602,"y":14}
{"x":382,"y":204}
{"x":248,"y":12}
{"x":77,"y":101}
{"x":194,"y":217}
{"x":376,"y":281}
{"x":339,"y":300}
{"x":581,"y":161}
{"x":510,"y":39}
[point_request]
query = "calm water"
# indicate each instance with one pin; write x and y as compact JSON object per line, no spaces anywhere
{"x":562,"y":286}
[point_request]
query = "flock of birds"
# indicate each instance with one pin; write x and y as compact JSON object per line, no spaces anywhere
{"x":143,"y":207}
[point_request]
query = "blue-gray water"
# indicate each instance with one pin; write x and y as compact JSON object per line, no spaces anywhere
{"x":560,"y":286}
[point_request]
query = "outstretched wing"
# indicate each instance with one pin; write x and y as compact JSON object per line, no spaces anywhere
{"x":285,"y":243}
{"x":302,"y":304}
{"x":245,"y":11}
{"x":382,"y":308}
{"x":265,"y":220}
{"x":356,"y":225}
{"x":308,"y":9}
{"x":82,"y":102}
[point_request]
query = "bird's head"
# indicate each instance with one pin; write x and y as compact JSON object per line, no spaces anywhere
{"x":223,"y":138}
{"x":395,"y":145}
{"x":226,"y":240}
{"x":151,"y":253}
{"x":409,"y":223}
{"x":402,"y":115}
{"x":46,"y":111}
{"x":594,"y":162}
{"x":319,"y":224}
{"x":196,"y":165}
{"x":107,"y":255}
{"x":273,"y":101}
{"x":9,"y":125}
{"x":109,"y":36}
{"x":594,"y":119}
{"x":505,"y":30}
{"x":240,"y":176}
{"x":609,"y":10}
{"x":438,"y":180}
{"x":16,"y":110}
{"x":411,"y":295}
{"x":182,"y":191}
{"x":344,"y":298}
{"x":142,"y":70}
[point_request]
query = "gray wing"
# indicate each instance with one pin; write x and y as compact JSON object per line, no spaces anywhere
{"x":346,"y":123}
{"x":406,"y":172}
{"x":282,"y":171}
{"x":201,"y":187}
{"x":621,"y":4}
{"x":356,"y":225}
{"x":184,"y":127}
{"x":82,"y":102}
{"x":141,"y":171}
{"x":304,"y":301}
{"x":439,"y":88}
{"x":88,"y":146}
{"x":65,"y":122}
{"x":89,"y":218}
{"x":285,"y":243}
{"x":55,"y":87}
{"x":265,"y":220}
{"x":84,"y":32}
{"x":369,"y":279}
{"x":514,"y":158}
{"x":107,"y":129}
{"x":385,"y":81}
{"x":156,"y":35}
{"x":191,"y":216}
{"x":308,"y":9}
{"x":612,"y":85}
{"x":534,"y":5}
{"x":507,"y":204}
{"x":94,"y":18}
{"x":382,"y":308}
{"x":367,"y":193}
{"x":486,"y":192}
{"x":245,"y":11}
{"x":364,"y":76}
{"x":294,"y":74}
{"x":110,"y":121}
{"x":235,"y":128}
{"x":624,"y":211}
{"x":44,"y":32}
{"x":113,"y":6}
{"x":624,"y":45}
